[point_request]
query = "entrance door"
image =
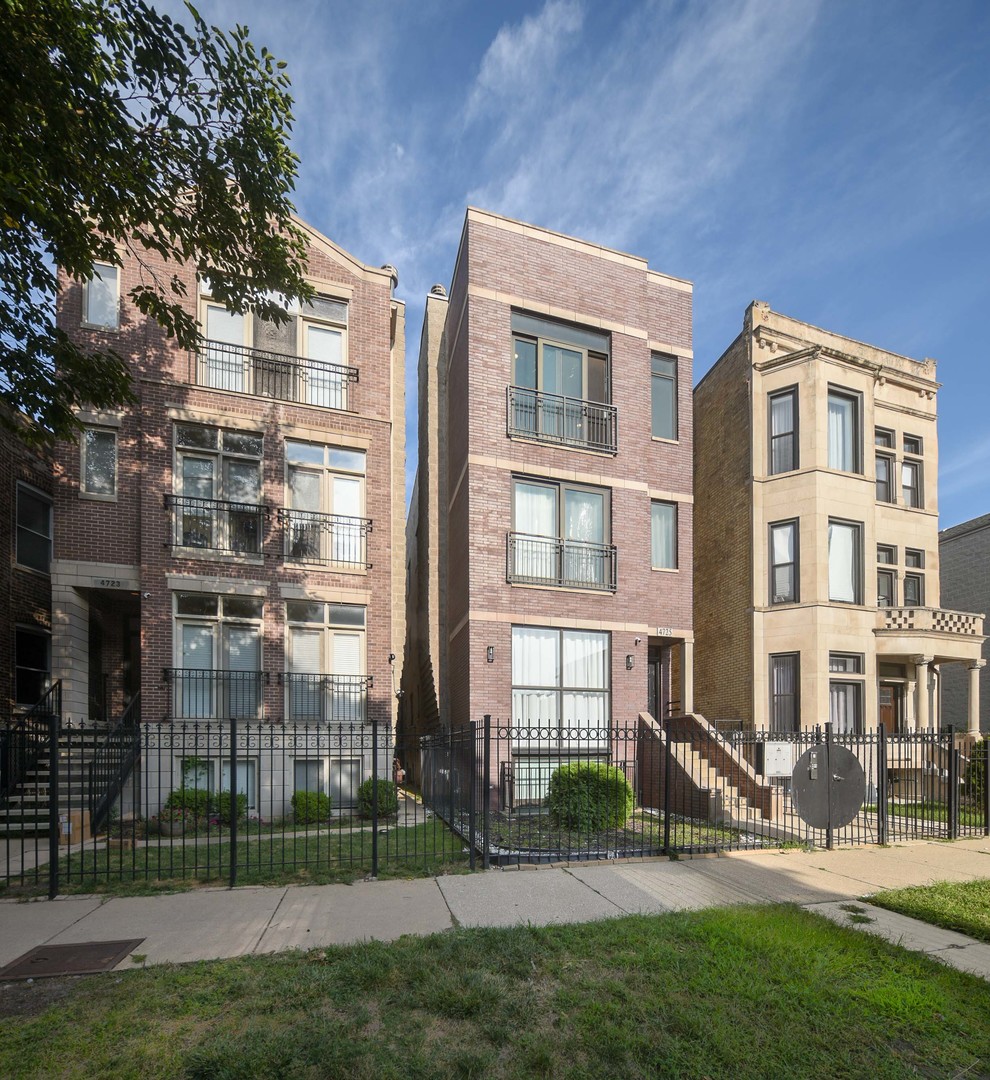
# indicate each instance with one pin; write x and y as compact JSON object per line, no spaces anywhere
{"x":892,"y":707}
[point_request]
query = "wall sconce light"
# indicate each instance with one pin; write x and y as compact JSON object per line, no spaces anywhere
{"x":490,"y":654}
{"x":630,"y":659}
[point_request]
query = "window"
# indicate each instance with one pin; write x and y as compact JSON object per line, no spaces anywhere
{"x":98,"y":471}
{"x":885,"y":467}
{"x":34,"y":529}
{"x":560,"y":534}
{"x":663,"y":535}
{"x":325,"y":676}
{"x":663,"y":396}
{"x":218,"y":656}
{"x":32,"y":665}
{"x":850,"y":663}
{"x":913,"y":444}
{"x":324,"y":518}
{"x":883,"y":437}
{"x":886,"y":588}
{"x":307,"y":775}
{"x":785,"y":706}
{"x":784,"y":563}
{"x":844,"y":431}
{"x":914,"y":590}
{"x":886,"y":553}
{"x":783,"y":431}
{"x":845,"y":560}
{"x":914,"y":558}
{"x":911,"y":483}
{"x":218,"y":489}
{"x":101,"y":305}
{"x":845,"y":707}
{"x":560,"y":679}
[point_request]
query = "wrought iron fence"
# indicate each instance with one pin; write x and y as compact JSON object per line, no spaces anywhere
{"x":215,"y":525}
{"x":243,"y":370}
{"x":552,"y":418}
{"x":547,"y":560}
{"x":325,"y":539}
{"x":334,"y":699}
{"x":209,"y":694}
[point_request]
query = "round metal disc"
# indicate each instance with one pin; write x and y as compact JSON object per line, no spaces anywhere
{"x":823,"y":774}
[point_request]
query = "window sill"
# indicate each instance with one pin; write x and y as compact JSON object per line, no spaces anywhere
{"x":31,"y":570}
{"x":210,"y":555}
{"x":102,"y":328}
{"x":553,"y":444}
{"x":668,"y":442}
{"x":665,"y":569}
{"x":89,"y":496}
{"x":591,"y":591}
{"x":325,"y":568}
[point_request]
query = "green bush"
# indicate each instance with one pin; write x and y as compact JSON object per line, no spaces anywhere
{"x":187,"y":802}
{"x":590,"y":796}
{"x":221,"y":807}
{"x":976,"y":772}
{"x":388,"y":799}
{"x":310,"y":807}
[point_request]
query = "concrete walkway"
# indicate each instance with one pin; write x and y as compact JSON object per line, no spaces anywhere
{"x":208,"y":924}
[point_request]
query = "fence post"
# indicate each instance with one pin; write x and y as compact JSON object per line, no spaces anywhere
{"x":472,"y":811}
{"x":374,"y":796}
{"x":828,"y":780}
{"x":984,"y":748}
{"x":450,"y":777}
{"x":486,"y":805}
{"x":882,"y":808}
{"x":953,"y":787}
{"x":54,"y":723}
{"x":665,"y":749}
{"x":233,"y":800}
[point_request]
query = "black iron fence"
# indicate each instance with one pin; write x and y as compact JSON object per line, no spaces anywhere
{"x":553,"y":418}
{"x":215,"y":525}
{"x":337,"y":699}
{"x":521,"y":794}
{"x":209,"y":694}
{"x":325,"y":539}
{"x":231,"y":802}
{"x":548,"y":560}
{"x":243,"y":370}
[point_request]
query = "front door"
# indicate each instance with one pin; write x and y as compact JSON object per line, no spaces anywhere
{"x":892,"y":707}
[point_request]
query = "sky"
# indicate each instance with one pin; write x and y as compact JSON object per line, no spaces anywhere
{"x":831,"y":158}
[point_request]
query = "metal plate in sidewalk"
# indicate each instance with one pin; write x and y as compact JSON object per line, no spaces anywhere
{"x":824,"y":775}
{"x":86,"y":958}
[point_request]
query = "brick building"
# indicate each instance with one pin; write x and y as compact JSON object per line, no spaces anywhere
{"x":233,"y":545}
{"x":816,"y":552}
{"x":26,"y":540}
{"x":551,"y":525}
{"x":964,"y":557}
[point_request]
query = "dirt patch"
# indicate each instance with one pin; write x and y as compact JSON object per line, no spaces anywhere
{"x":33,"y":998}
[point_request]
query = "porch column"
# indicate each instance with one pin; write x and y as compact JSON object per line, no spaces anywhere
{"x":974,"y":697}
{"x":687,"y":677}
{"x":922,"y":712}
{"x":70,"y":650}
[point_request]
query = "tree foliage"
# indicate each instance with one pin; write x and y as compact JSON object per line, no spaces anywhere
{"x":126,"y":135}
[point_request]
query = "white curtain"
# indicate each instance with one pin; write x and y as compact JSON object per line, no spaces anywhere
{"x":305,"y":662}
{"x":843,"y":569}
{"x":535,"y":666}
{"x":783,"y":562}
{"x":243,"y":648}
{"x":663,"y":536}
{"x":246,"y":781}
{"x":195,"y":694}
{"x":101,"y":297}
{"x":584,"y":520}
{"x":325,"y":387}
{"x":842,"y":710}
{"x":346,"y":543}
{"x":346,"y":695}
{"x":224,"y":367}
{"x":585,"y":667}
{"x":535,"y":516}
{"x":841,"y":433}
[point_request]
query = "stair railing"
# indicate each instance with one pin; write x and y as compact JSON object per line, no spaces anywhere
{"x":113,"y":762}
{"x":24,"y":740}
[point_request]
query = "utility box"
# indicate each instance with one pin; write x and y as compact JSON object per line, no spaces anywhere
{"x":73,"y":827}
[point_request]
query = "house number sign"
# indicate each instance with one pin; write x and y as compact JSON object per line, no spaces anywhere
{"x":110,"y":583}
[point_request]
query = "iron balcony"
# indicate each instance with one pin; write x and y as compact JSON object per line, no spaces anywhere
{"x":561,"y":421}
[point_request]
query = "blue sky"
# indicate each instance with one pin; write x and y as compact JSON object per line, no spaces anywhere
{"x":831,"y":158}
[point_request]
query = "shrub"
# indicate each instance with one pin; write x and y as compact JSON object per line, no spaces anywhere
{"x":388,"y":799}
{"x":221,"y":807}
{"x":976,"y":772}
{"x":589,"y":795}
{"x":310,"y":807}
{"x":189,"y":803}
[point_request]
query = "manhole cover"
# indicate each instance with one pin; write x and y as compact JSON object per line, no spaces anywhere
{"x":86,"y":958}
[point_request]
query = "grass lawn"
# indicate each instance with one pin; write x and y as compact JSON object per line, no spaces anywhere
{"x":962,"y":906}
{"x":747,"y":992}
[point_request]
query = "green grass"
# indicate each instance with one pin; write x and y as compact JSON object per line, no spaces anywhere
{"x":746,"y":993}
{"x":317,"y":858}
{"x":962,"y":906}
{"x":968,"y":815}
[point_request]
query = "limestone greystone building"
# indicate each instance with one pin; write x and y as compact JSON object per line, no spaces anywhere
{"x":551,"y":526}
{"x":964,"y":556}
{"x":233,"y":543}
{"x":816,"y":539}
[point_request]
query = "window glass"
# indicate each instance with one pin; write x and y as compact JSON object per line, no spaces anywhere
{"x":844,"y":707}
{"x":913,"y":590}
{"x":197,"y":435}
{"x":884,"y":467}
{"x":843,"y":562}
{"x":524,"y":363}
{"x":913,"y":444}
{"x":783,"y":424}
{"x":102,"y":308}
{"x":911,"y":483}
{"x":242,"y":607}
{"x":914,"y":557}
{"x":99,"y":449}
{"x":32,"y":665}
{"x":886,"y":553}
{"x":843,"y":431}
{"x":34,"y":530}
{"x":783,"y":563}
{"x":663,"y":535}
{"x":197,"y":604}
{"x":784,"y":699}
{"x":883,"y":437}
{"x":560,"y":677}
{"x":239,"y":442}
{"x":886,"y":589}
{"x":663,"y":382}
{"x":850,"y":663}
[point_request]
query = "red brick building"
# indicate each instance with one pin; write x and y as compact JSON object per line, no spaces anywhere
{"x":553,"y":509}
{"x":233,"y":544}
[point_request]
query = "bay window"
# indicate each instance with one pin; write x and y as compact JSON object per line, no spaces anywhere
{"x":784,"y":562}
{"x":844,"y":431}
{"x":845,"y":560}
{"x":782,"y":407}
{"x":785,"y":702}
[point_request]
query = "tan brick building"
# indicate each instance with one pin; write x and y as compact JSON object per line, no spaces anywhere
{"x":233,"y":544}
{"x":551,"y":526}
{"x":816,"y":554}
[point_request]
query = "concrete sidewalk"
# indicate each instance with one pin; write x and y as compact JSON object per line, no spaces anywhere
{"x":208,"y":924}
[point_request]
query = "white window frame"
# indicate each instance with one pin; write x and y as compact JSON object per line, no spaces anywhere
{"x":88,"y":288}
{"x":341,"y":709}
{"x":84,"y":492}
{"x":331,"y":540}
{"x":673,"y":564}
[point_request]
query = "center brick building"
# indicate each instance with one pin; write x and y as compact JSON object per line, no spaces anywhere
{"x":551,"y":527}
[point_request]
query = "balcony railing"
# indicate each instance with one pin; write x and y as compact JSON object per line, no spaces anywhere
{"x":231,"y":528}
{"x":936,"y":620}
{"x":241,"y":370}
{"x":547,"y":560}
{"x":325,"y":539}
{"x":565,"y":421}
{"x":334,"y":699}
{"x":207,"y":694}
